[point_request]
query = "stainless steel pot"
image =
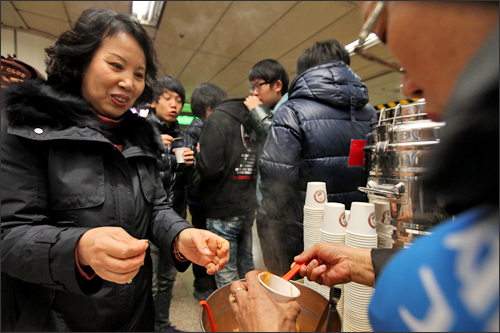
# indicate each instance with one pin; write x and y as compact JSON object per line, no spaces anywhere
{"x":311,"y":302}
{"x":399,"y":153}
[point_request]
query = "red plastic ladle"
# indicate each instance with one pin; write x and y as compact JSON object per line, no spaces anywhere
{"x":293,"y":271}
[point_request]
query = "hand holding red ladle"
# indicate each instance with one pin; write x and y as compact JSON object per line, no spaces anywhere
{"x":293,"y":271}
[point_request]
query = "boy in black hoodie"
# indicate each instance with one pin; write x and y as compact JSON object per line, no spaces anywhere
{"x":226,"y":163}
{"x":203,"y":100}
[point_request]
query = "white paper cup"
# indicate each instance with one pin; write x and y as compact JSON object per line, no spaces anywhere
{"x":314,"y":210}
{"x":334,"y":218}
{"x":384,"y":229}
{"x":281,"y":290}
{"x":382,"y":212}
{"x":347,"y":215}
{"x":362,"y":219}
{"x":178,"y":154}
{"x":352,"y":235}
{"x":316,"y":196}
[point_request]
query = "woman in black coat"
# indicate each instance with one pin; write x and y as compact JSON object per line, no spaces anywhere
{"x":80,"y":188}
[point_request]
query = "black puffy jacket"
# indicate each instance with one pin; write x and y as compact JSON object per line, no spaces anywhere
{"x":310,"y":140}
{"x":61,"y":176}
{"x":173,"y":175}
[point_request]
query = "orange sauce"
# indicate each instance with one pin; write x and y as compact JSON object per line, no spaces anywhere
{"x":265,"y":278}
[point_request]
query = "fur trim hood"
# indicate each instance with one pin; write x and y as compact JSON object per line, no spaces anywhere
{"x":34,"y":103}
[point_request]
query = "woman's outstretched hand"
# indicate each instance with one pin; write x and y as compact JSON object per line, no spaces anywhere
{"x":204,"y":248}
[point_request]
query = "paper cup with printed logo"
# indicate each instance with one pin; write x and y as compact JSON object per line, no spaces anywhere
{"x":334,"y":218}
{"x":178,"y":154}
{"x":382,"y":212}
{"x":316,"y":196}
{"x":362,"y":219}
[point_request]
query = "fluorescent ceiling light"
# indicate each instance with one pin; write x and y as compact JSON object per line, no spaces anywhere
{"x":147,"y":12}
{"x":370,"y":41}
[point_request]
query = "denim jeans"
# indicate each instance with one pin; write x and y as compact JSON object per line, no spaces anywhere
{"x":202,"y":281}
{"x":163,"y":284}
{"x":238,"y":231}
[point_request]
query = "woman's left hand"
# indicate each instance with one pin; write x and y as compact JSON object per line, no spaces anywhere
{"x":188,"y":156}
{"x":204,"y":248}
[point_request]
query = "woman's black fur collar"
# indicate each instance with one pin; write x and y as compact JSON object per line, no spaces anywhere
{"x":34,"y":103}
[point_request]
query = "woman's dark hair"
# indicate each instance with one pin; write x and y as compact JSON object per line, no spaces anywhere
{"x":168,"y":83}
{"x":74,"y":49}
{"x":270,"y":71}
{"x":321,"y":52}
{"x":206,"y":94}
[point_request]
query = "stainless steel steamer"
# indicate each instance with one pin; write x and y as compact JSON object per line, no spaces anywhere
{"x":398,"y":153}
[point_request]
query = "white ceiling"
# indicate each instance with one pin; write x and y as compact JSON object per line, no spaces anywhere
{"x":220,"y":41}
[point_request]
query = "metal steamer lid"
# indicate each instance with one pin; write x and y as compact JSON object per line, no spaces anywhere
{"x":405,"y":127}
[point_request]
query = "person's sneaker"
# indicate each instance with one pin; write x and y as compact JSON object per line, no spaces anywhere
{"x":172,"y":328}
{"x":201,"y":295}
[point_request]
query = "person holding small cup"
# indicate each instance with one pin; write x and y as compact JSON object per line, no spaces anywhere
{"x":168,"y":99}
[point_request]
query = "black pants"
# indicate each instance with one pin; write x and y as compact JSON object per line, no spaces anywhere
{"x":202,"y":280}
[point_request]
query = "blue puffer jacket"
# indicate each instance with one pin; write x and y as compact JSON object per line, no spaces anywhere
{"x":310,"y":140}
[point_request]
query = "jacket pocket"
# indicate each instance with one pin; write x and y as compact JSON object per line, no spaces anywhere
{"x":148,"y":185}
{"x":75,"y":178}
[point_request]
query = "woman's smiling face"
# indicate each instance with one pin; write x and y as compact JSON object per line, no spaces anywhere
{"x":115,"y":77}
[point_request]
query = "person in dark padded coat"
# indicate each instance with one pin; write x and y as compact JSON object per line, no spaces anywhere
{"x":310,"y":139}
{"x":81,"y":191}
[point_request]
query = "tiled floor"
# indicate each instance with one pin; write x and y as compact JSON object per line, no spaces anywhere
{"x":185,"y":309}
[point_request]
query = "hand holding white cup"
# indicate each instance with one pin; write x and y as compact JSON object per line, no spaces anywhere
{"x":178,"y":154}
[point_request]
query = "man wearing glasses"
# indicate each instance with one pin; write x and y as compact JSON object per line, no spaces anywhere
{"x":269,"y":89}
{"x":448,"y":280}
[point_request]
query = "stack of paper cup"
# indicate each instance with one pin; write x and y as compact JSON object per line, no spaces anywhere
{"x":313,"y":212}
{"x":361,"y":230}
{"x":333,"y":229}
{"x":316,"y":198}
{"x":355,"y":307}
{"x":384,"y":227}
{"x":334,"y":223}
{"x":312,"y":224}
{"x":360,"y":233}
